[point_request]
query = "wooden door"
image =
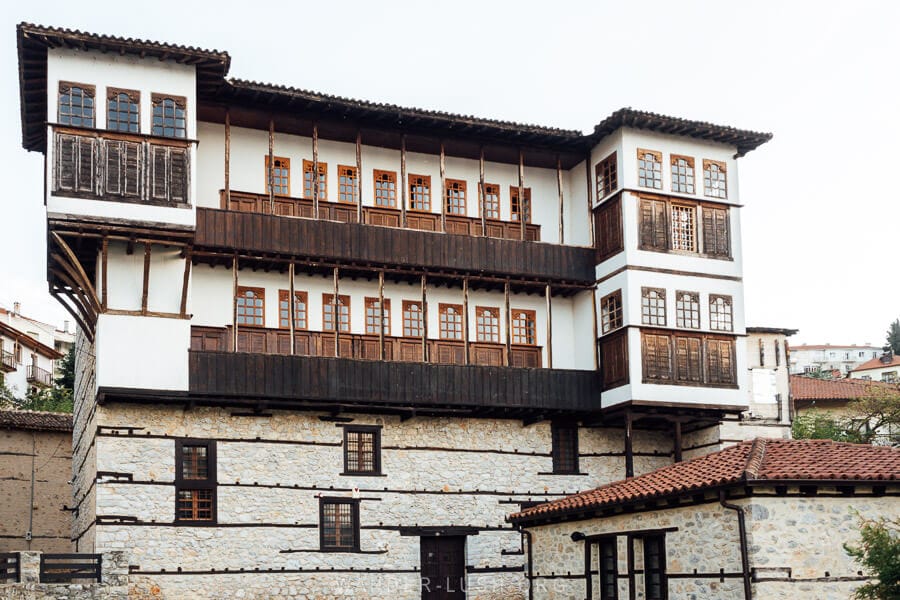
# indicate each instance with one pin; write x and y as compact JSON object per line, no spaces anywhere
{"x":443,"y":567}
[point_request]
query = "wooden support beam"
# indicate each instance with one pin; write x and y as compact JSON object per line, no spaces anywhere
{"x":145,"y":290}
{"x":424,"y":320}
{"x":466,"y":317}
{"x":590,"y":201}
{"x":104,"y":265}
{"x":508,"y":314}
{"x":404,"y":189}
{"x":336,"y":316}
{"x":76,"y":265}
{"x":234,"y":292}
{"x":481,"y":193}
{"x":522,"y":207}
{"x":444,"y":194}
{"x":88,"y":331}
{"x":76,"y":295}
{"x":559,"y":188}
{"x":549,"y":328}
{"x":315,"y":173}
{"x":595,"y":339}
{"x":186,"y":281}
{"x":359,"y":210}
{"x":228,"y":158}
{"x":270,"y":172}
{"x":677,"y":439}
{"x":629,"y":445}
{"x":291,"y":307}
{"x":381,"y":315}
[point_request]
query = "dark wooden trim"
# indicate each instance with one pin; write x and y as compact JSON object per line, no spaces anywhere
{"x":666,"y":272}
{"x":146,"y":280}
{"x":354,"y":516}
{"x":210,"y":483}
{"x":375,"y":430}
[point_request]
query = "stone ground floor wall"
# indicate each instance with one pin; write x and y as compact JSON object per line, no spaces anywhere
{"x":113,"y":584}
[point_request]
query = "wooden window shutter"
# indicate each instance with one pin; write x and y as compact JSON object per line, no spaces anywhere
{"x":614,"y":360}
{"x":715,"y":231}
{"x":112,"y":182}
{"x":656,"y":356}
{"x":122,"y":176}
{"x":688,"y":365}
{"x":66,"y":159}
{"x":654,"y":224}
{"x":168,"y":174}
{"x":608,"y":224}
{"x":132,"y":171}
{"x":720,"y":361}
{"x":86,"y":150}
{"x":158,"y":175}
{"x":178,"y":175}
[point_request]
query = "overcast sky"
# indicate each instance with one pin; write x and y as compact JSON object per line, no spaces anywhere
{"x":821,"y":216}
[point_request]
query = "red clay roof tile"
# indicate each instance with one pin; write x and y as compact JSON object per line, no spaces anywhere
{"x":809,"y":388}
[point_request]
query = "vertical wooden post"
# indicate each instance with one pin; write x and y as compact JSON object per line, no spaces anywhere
{"x":444,"y":194}
{"x":549,"y":328}
{"x":677,"y":450}
{"x":466,"y":317}
{"x":104,"y":262}
{"x":270,"y":172}
{"x":234,"y":292}
{"x":359,"y":210}
{"x":186,"y":280}
{"x":146,"y":289}
{"x":590,"y":201}
{"x":629,"y":450}
{"x":291,"y":300}
{"x":481,"y":192}
{"x":404,"y":189}
{"x":522,"y":194}
{"x":227,"y":159}
{"x":381,"y":315}
{"x":559,"y":187}
{"x":315,"y":173}
{"x":336,"y":316}
{"x":595,"y":339}
{"x":508,"y":323}
{"x":424,"y":321}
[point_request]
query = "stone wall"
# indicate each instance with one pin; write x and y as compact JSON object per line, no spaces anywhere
{"x":84,"y":463}
{"x":113,"y":584}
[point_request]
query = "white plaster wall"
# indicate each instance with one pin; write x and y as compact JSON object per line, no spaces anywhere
{"x":142,"y":352}
{"x":125,"y":278}
{"x":17,"y":381}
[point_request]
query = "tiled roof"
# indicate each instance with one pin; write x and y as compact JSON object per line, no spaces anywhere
{"x":809,"y":388}
{"x":752,"y":462}
{"x":28,"y":341}
{"x":41,"y":421}
{"x":834,"y":347}
{"x":876,"y":363}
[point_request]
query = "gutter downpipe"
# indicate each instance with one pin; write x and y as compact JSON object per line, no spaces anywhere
{"x":742,"y":532}
{"x":530,"y":574}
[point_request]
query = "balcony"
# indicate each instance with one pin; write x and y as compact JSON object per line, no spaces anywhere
{"x":224,"y":231}
{"x":7,"y":361}
{"x":38,"y":376}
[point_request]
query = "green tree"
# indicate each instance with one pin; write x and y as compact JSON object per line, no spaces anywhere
{"x":893,"y":336}
{"x":66,"y":377}
{"x":879,"y":554}
{"x":58,"y":398}
{"x":815,"y":425}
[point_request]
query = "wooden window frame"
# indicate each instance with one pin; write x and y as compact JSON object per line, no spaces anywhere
{"x":420,"y":326}
{"x":485,"y":331}
{"x":157,"y":100}
{"x":261,"y":294}
{"x":184,"y":484}
{"x":442,"y":330}
{"x":350,"y":172}
{"x":681,"y":311}
{"x":457,"y":186}
{"x":648,"y":309}
{"x":303,"y":297}
{"x":660,"y":541}
{"x":614,"y":360}
{"x":726,"y":319}
{"x":323,"y":180}
{"x":708,"y":189}
{"x":285,"y":163}
{"x":711,"y":226}
{"x":134,"y":97}
{"x":608,"y":227}
{"x":375,"y":432}
{"x":414,"y":181}
{"x":493,"y":206}
{"x":371,"y":304}
{"x":690,"y":175}
{"x":679,"y":235}
{"x":606,"y":177}
{"x":354,"y":518}
{"x":560,"y":466}
{"x":383,"y":177}
{"x":514,"y":204}
{"x":654,"y":171}
{"x":669,"y":346}
{"x":612,"y":317}
{"x":343,"y":300}
{"x":87,"y":91}
{"x":609,"y":578}
{"x":517,"y":329}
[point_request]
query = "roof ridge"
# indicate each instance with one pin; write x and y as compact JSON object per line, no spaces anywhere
{"x":755,"y":459}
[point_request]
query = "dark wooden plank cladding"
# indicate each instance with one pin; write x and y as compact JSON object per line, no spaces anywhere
{"x":352,"y":242}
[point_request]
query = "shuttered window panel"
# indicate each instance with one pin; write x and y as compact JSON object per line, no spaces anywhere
{"x":688,"y":359}
{"x":720,"y":361}
{"x":654,"y":225}
{"x":76,"y":157}
{"x":614,"y":360}
{"x":122,"y":173}
{"x":608,"y":225}
{"x":716,"y":231}
{"x":656,"y":356}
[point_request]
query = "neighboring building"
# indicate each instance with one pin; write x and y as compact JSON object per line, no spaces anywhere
{"x":60,"y":340}
{"x":812,"y":358}
{"x":25,"y":363}
{"x":762,"y":519}
{"x":884,"y":368}
{"x":35,"y":469}
{"x":330,"y":343}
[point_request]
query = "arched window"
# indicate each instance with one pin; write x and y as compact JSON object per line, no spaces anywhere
{"x":76,"y":104}
{"x":169,"y":116}
{"x":123,"y":110}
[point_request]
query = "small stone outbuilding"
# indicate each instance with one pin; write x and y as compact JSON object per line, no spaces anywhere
{"x":763,"y":519}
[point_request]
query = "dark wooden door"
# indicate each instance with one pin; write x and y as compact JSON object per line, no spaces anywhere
{"x":443,"y":568}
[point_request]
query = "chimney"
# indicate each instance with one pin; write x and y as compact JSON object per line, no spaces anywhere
{"x":888,"y":357}
{"x":17,"y":308}
{"x":66,"y":326}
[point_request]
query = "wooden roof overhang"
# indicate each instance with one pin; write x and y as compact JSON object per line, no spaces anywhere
{"x":655,"y":415}
{"x":28,"y":341}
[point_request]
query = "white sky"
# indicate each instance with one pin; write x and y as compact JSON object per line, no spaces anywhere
{"x":821,"y":216}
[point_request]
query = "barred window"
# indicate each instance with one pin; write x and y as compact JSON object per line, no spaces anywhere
{"x":284,"y":310}
{"x":607,"y":177}
{"x":339,"y":524}
{"x":487,"y":324}
{"x":491,"y":201}
{"x":682,"y":174}
{"x":251,"y":306}
{"x":714,"y":179}
{"x":123,"y":110}
{"x":611,"y":316}
{"x":523,"y":327}
{"x":514,"y":203}
{"x":420,"y":192}
{"x":456,"y":197}
{"x":450,"y":321}
{"x":650,"y":169}
{"x":720,"y":317}
{"x":653,"y":306}
{"x":195,"y":480}
{"x":684,"y":235}
{"x":76,"y":104}
{"x":655,"y":583}
{"x":412,"y":319}
{"x":385,"y":188}
{"x":348,"y":182}
{"x":169,"y":116}
{"x":328,"y":311}
{"x":564,"y":447}
{"x":281,"y":175}
{"x":373,"y":316}
{"x":308,"y":182}
{"x":362,"y":449}
{"x":687,"y":310}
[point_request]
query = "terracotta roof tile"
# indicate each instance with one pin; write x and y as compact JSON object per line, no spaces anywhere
{"x":29,"y":419}
{"x":876,"y":363}
{"x":809,"y":388}
{"x":755,"y":461}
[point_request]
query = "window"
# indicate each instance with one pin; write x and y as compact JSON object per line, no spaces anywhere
{"x":688,"y":358}
{"x":348,"y":182}
{"x":687,"y":310}
{"x":523,"y":327}
{"x":487,"y":324}
{"x":682,"y":174}
{"x":450,"y":321}
{"x":195,"y":480}
{"x":720,"y":318}
{"x":385,"y":188}
{"x":609,"y":569}
{"x":656,"y":356}
{"x":281,"y":175}
{"x":714,"y":183}
{"x":308,"y":188}
{"x":762,"y":353}
{"x":412,"y":319}
{"x":683,"y":232}
{"x":611,"y":311}
{"x":339,"y":524}
{"x":608,"y":225}
{"x":284,"y":311}
{"x":655,"y":583}
{"x":373,"y":316}
{"x":777,"y":353}
{"x":653,"y":306}
{"x":720,"y":361}
{"x":811,"y":368}
{"x":251,"y":304}
{"x":607,"y":177}
{"x":650,"y":169}
{"x":328,"y":304}
{"x":889,"y":377}
{"x":715,"y":231}
{"x":564,"y":450}
{"x":169,"y":116}
{"x":123,"y":110}
{"x":514,"y":203}
{"x":76,"y":104}
{"x":614,"y":360}
{"x":18,"y":352}
{"x":362,"y":450}
{"x":456,"y":197}
{"x":420,"y":192}
{"x":491,"y":201}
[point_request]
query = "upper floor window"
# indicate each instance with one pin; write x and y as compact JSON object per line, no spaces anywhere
{"x":564,"y":447}
{"x":514,"y":203}
{"x":281,"y":175}
{"x":607,"y":176}
{"x":714,"y":181}
{"x":456,"y":197}
{"x":385,"y":188}
{"x":667,"y":225}
{"x":373,"y":316}
{"x":720,"y":318}
{"x":450,"y":321}
{"x":684,"y":232}
{"x":523,"y":327}
{"x":348,"y":183}
{"x":609,"y":568}
{"x":339,"y":524}
{"x":362,"y":450}
{"x":687,"y":310}
{"x":123,"y":110}
{"x":611,"y":317}
{"x":195,"y":480}
{"x":413,"y":325}
{"x":420,"y":192}
{"x":491,"y":201}
{"x":284,"y":309}
{"x":653,"y":306}
{"x":310,"y":190}
{"x":76,"y":104}
{"x":655,"y":583}
{"x":487,"y":324}
{"x":650,"y":169}
{"x":251,"y":306}
{"x":328,"y":312}
{"x":682,"y":174}
{"x":169,"y":116}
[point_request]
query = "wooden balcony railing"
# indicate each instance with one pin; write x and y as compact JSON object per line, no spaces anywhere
{"x":7,"y":361}
{"x":359,"y":346}
{"x":286,"y":206}
{"x":38,"y":376}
